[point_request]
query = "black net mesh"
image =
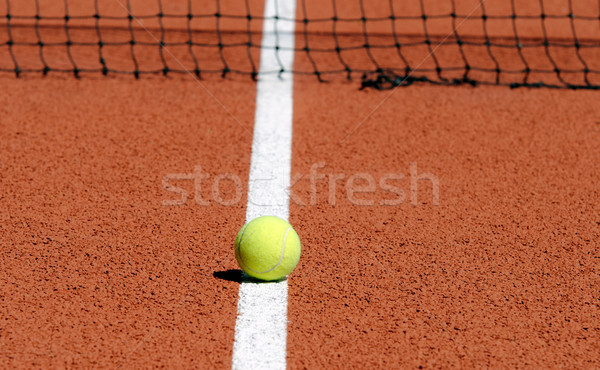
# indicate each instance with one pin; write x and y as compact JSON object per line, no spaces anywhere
{"x":541,"y":43}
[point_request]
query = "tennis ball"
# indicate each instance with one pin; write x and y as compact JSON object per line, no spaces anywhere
{"x":267,"y":248}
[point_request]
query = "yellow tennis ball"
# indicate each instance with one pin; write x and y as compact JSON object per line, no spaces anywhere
{"x":267,"y":248}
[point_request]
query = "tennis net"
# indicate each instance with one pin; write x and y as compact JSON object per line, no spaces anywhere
{"x":385,"y":43}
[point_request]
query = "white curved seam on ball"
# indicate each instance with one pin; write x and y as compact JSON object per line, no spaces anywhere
{"x":280,"y":257}
{"x":237,"y":245}
{"x":243,"y":232}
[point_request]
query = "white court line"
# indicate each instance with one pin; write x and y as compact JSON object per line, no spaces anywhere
{"x":261,"y":325}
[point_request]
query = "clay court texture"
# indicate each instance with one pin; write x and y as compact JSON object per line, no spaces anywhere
{"x":447,"y":219}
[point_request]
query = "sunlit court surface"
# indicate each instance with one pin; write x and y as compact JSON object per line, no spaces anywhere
{"x":439,"y":161}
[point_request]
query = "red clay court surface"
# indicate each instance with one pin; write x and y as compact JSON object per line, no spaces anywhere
{"x":502,"y":271}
